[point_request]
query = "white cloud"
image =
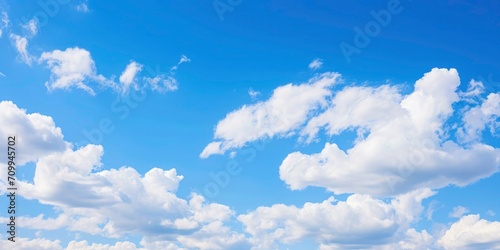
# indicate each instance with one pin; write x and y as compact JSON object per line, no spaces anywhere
{"x":111,"y":203}
{"x":400,"y":147}
{"x":471,"y":232}
{"x":416,"y":240}
{"x":162,"y":83}
{"x":71,"y":68}
{"x":359,"y":222}
{"x":280,"y":115}
{"x":184,"y":59}
{"x":477,"y":119}
{"x":21,"y":44}
{"x":2,"y":74}
{"x":431,"y":208}
{"x":253,"y":94}
{"x":31,"y":244}
{"x":83,"y":7}
{"x":410,"y":240}
{"x":458,"y":212}
{"x":316,"y":64}
{"x":475,"y":89}
{"x":117,"y":202}
{"x":36,"y":134}
{"x":31,"y":27}
{"x":5,"y":20}
{"x":74,"y":68}
{"x":490,"y":213}
{"x":127,"y":78}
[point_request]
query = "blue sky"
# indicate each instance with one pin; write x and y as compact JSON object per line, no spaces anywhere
{"x":234,"y":124}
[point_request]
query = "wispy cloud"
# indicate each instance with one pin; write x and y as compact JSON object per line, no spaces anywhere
{"x":316,"y":64}
{"x":253,"y":94}
{"x":458,"y":212}
{"x":21,"y":44}
{"x":83,"y":7}
{"x":184,"y":59}
{"x":31,"y":27}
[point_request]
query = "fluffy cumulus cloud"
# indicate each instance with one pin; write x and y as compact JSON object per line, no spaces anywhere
{"x":358,"y":222}
{"x":32,"y":244}
{"x":37,"y":134}
{"x":402,"y":143}
{"x":112,"y":203}
{"x":472,"y":232}
{"x":288,"y":108}
{"x":71,"y":68}
{"x":119,"y":202}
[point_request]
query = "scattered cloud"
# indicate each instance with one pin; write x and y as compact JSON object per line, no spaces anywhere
{"x":431,"y":208}
{"x":458,"y":212}
{"x":5,"y":19}
{"x":31,"y":27}
{"x":2,"y":74}
{"x":474,"y":90}
{"x":316,"y":64}
{"x":476,"y":119}
{"x":277,"y":116}
{"x":252,"y":93}
{"x":83,"y":7}
{"x":75,"y":68}
{"x":490,"y":213}
{"x":162,"y":83}
{"x":128,"y":76}
{"x":471,"y":232}
{"x":21,"y":44}
{"x":166,"y":83}
{"x":184,"y":59}
{"x":71,"y":68}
